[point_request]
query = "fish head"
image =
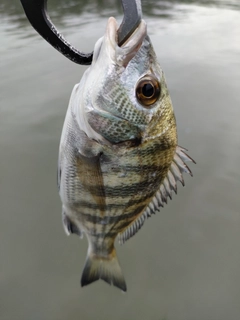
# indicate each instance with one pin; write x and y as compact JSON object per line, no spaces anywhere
{"x":124,"y":92}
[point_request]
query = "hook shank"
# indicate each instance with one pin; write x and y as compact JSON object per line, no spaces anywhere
{"x":132,"y":10}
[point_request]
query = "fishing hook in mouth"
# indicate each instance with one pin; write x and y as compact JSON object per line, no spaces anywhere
{"x":132,"y":17}
{"x":36,"y":12}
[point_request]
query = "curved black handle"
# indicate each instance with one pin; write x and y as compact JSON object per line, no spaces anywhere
{"x":36,"y":12}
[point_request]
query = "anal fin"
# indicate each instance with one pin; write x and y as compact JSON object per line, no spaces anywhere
{"x":69,"y":226}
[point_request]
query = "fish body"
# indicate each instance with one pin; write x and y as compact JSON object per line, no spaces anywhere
{"x":118,"y":158}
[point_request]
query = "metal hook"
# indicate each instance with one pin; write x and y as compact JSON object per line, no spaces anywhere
{"x":132,"y":10}
{"x":36,"y":12}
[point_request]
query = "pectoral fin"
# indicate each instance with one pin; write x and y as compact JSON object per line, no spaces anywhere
{"x":90,"y":175}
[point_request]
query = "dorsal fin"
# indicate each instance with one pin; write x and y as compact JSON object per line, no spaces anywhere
{"x":168,"y":185}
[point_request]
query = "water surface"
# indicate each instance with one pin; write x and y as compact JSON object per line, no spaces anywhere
{"x":184,"y":263}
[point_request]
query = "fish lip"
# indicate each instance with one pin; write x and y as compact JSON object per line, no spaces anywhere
{"x":124,"y":53}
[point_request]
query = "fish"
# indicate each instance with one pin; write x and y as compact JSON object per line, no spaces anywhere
{"x":119,"y":159}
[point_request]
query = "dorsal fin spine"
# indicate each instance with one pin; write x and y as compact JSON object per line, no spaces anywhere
{"x":167,"y":187}
{"x":169,"y":183}
{"x":172,"y":181}
{"x":177,"y":173}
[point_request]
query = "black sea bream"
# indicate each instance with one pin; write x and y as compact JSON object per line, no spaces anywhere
{"x":118,"y":159}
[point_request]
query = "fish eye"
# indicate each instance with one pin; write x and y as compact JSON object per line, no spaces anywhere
{"x":148,"y":90}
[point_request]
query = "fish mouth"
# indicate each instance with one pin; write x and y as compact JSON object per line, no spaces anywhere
{"x":124,"y":53}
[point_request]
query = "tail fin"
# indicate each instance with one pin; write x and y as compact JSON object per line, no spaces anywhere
{"x":105,"y":268}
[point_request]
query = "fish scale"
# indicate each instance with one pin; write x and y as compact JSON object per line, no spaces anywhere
{"x":125,"y":108}
{"x":118,"y":158}
{"x":120,"y":104}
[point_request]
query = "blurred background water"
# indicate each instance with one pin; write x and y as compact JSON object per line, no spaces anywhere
{"x":185,"y":262}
